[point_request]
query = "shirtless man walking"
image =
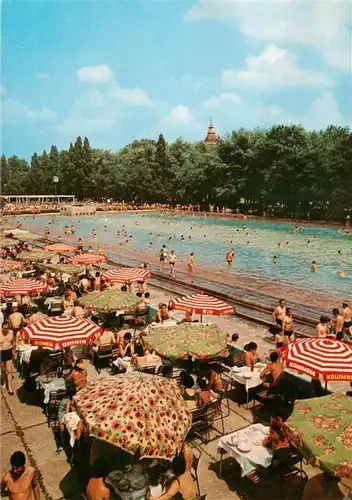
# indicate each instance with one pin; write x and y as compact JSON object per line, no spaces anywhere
{"x":347,"y":317}
{"x":172,"y":262}
{"x":162,"y":257}
{"x":279,"y":312}
{"x":20,"y":481}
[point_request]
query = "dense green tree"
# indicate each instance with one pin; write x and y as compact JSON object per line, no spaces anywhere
{"x":284,"y":170}
{"x":18,"y":171}
{"x":4,"y":175}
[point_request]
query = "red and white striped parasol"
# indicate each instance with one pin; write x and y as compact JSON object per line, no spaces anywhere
{"x":126,"y":275}
{"x":202,"y":304}
{"x":330,"y":358}
{"x":60,"y":248}
{"x":61,"y":331}
{"x":22,"y":286}
{"x":87,"y":259}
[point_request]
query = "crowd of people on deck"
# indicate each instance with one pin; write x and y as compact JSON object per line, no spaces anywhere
{"x":338,"y":325}
{"x":38,"y":207}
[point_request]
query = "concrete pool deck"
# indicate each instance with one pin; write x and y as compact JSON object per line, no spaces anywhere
{"x":23,"y":427}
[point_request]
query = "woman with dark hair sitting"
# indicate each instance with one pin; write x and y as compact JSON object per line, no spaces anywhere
{"x":251,"y":357}
{"x":278,"y":436}
{"x":189,"y":392}
{"x":205,"y":395}
{"x":182,"y":488}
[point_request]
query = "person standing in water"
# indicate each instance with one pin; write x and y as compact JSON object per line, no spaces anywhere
{"x":190,"y":264}
{"x":230,"y":256}
{"x":313,"y":266}
{"x":172,"y":262}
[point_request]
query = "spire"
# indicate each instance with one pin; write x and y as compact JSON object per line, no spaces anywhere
{"x":211,"y":137}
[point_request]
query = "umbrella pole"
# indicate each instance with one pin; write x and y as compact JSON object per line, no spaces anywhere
{"x":326,"y":387}
{"x":201,"y":318}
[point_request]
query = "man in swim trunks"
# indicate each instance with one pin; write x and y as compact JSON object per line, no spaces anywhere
{"x":20,"y":481}
{"x":279,"y":312}
{"x":347,"y":317}
{"x":337,"y":321}
{"x":162,"y":256}
{"x":172,"y":262}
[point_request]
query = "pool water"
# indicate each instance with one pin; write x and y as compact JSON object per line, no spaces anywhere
{"x":255,"y":243}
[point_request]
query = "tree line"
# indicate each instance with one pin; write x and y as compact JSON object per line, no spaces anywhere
{"x":282,"y":171}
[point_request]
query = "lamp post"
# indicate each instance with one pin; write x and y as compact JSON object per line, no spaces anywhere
{"x":55,"y":181}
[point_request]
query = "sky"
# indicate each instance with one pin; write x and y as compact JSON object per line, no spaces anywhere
{"x":116,"y":71}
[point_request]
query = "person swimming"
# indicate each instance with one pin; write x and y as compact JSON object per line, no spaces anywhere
{"x":230,"y":256}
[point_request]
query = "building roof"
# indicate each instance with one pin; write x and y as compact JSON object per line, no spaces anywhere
{"x":211,"y":137}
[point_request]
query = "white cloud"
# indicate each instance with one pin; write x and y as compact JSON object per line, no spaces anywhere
{"x":191,"y":82}
{"x":181,"y":115}
{"x":136,"y":96}
{"x":42,"y":114}
{"x":323,"y":111}
{"x":252,"y":113}
{"x":84,"y":126}
{"x":99,"y":110}
{"x":324,"y":26}
{"x":224,"y":97}
{"x":14,"y":111}
{"x":42,"y":76}
{"x":96,"y":74}
{"x":274,"y":68}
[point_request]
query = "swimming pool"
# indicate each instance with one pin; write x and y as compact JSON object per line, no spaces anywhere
{"x":255,"y":243}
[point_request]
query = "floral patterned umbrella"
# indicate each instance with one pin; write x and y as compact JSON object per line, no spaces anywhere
{"x":87,"y":259}
{"x":8,"y":266}
{"x":110,"y":300}
{"x":60,"y":248}
{"x":137,"y":412}
{"x":35,"y":255}
{"x":66,"y":268}
{"x":198,"y":340}
{"x":323,"y":429}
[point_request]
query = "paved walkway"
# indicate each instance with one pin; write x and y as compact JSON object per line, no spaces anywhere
{"x":23,"y":427}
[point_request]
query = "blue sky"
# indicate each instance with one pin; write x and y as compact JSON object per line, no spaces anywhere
{"x":116,"y":71}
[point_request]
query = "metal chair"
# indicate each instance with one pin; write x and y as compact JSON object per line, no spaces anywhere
{"x":53,"y":406}
{"x":55,"y":308}
{"x":284,"y":464}
{"x":194,"y":470}
{"x":204,"y":418}
{"x":226,"y":382}
{"x":147,"y":369}
{"x":103,"y":355}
